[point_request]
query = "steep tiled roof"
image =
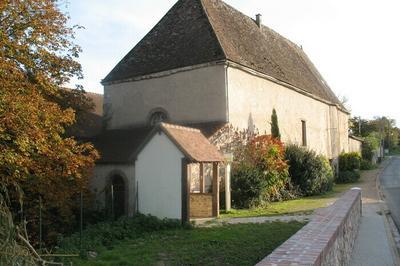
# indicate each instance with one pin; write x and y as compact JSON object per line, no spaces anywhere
{"x":201,"y":31}
{"x":183,"y":37}
{"x":92,"y":121}
{"x":97,"y":101}
{"x":119,"y":146}
{"x":192,"y":143}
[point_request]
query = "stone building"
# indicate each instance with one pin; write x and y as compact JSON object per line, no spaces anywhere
{"x":206,"y":65}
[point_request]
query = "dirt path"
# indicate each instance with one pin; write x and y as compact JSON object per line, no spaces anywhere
{"x":262,"y":219}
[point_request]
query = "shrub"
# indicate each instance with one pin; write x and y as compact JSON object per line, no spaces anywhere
{"x":274,"y":125}
{"x":348,"y":177}
{"x":349,"y":161}
{"x":259,"y":173}
{"x":369,"y":146}
{"x":367,"y":165}
{"x":311,"y":173}
{"x":248,"y":186}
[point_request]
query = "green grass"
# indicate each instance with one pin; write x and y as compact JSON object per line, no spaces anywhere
{"x":305,"y":205}
{"x":243,"y":244}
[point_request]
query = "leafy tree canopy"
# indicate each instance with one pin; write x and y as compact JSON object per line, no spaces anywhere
{"x":382,"y":127}
{"x":37,"y":57}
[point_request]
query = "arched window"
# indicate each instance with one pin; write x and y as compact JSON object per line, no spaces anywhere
{"x":157,"y":117}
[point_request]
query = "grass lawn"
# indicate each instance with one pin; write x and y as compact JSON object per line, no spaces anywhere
{"x":305,"y":205}
{"x":243,"y":244}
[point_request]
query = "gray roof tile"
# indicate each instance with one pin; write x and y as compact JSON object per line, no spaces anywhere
{"x":202,"y":31}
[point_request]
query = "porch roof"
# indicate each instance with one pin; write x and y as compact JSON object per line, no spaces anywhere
{"x":117,"y":146}
{"x":190,"y":141}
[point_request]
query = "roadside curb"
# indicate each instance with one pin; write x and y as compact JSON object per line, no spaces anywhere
{"x":390,"y":227}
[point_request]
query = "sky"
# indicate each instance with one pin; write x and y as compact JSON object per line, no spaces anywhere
{"x":354,"y":44}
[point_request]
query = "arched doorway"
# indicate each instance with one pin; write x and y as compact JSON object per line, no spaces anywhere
{"x":116,"y":197}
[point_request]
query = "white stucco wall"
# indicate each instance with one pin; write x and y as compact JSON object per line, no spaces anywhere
{"x":158,"y":172}
{"x":101,"y":176}
{"x":251,"y":100}
{"x":191,"y":96}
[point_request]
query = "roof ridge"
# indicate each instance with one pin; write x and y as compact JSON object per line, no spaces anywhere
{"x":249,"y":17}
{"x":212,"y":27}
{"x":174,"y":126}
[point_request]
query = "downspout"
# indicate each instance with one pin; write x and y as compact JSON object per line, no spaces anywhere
{"x":226,"y":92}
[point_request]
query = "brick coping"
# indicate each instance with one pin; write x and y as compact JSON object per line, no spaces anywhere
{"x":311,"y":244}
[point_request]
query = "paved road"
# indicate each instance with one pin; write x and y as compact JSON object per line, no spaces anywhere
{"x":390,"y":182}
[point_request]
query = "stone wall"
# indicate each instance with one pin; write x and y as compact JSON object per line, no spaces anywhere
{"x":251,"y":99}
{"x":188,"y":95}
{"x":201,"y":205}
{"x":355,"y":145}
{"x":101,"y":178}
{"x":328,"y":239}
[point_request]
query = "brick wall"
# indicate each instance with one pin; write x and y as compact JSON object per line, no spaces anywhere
{"x":200,"y":205}
{"x":328,"y":239}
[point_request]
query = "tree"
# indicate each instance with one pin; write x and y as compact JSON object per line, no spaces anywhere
{"x":274,"y":125}
{"x":383,"y":127}
{"x":370,"y":145}
{"x":362,"y":127}
{"x":37,"y":56}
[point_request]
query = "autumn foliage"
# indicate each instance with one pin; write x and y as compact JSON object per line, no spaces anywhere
{"x":260,"y":172}
{"x":37,"y":57}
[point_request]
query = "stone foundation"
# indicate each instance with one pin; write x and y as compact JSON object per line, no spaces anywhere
{"x":328,"y":239}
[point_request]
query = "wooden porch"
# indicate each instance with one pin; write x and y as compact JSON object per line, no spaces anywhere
{"x":200,"y":195}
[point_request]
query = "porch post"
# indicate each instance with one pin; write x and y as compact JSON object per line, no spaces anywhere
{"x":185,"y":184}
{"x":228,"y":186}
{"x":215,"y":186}
{"x":201,"y":176}
{"x":229,"y":159}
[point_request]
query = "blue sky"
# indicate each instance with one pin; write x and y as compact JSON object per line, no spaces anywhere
{"x":355,"y":44}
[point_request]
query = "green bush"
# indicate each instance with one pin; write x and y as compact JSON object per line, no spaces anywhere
{"x":106,"y":234}
{"x":348,"y":177}
{"x":259,"y":173}
{"x":248,"y":186}
{"x":367,"y":165}
{"x":311,"y":173}
{"x":349,"y":161}
{"x":369,"y":146}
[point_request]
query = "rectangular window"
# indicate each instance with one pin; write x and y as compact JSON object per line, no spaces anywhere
{"x":304,"y":132}
{"x":194,"y":178}
{"x":208,"y":176}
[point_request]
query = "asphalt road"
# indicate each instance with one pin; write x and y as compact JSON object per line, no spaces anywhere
{"x":390,"y":183}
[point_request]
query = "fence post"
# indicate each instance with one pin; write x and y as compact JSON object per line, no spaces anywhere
{"x":112,"y":202}
{"x":40,"y":224}
{"x":81,"y":222}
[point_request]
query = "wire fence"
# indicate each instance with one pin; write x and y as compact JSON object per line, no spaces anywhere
{"x":112,"y":196}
